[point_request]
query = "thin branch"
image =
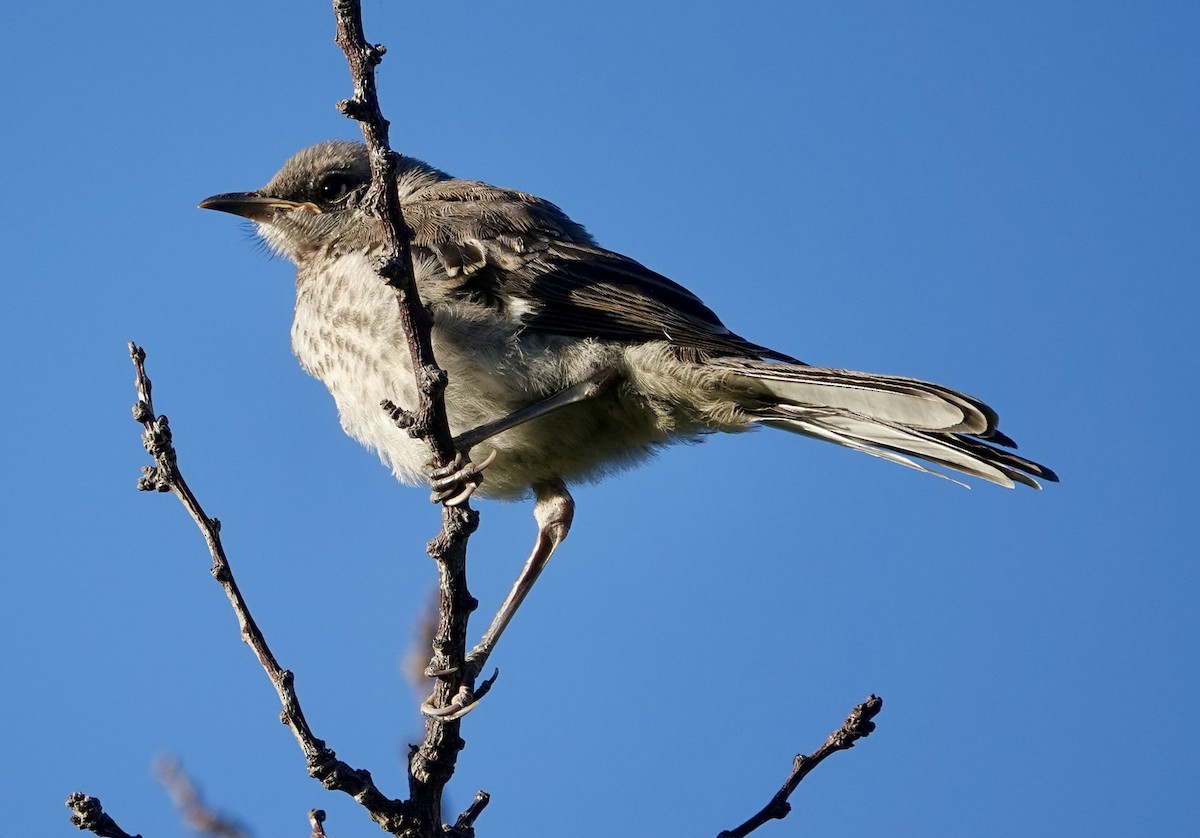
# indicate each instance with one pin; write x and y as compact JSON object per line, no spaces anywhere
{"x":432,"y":763}
{"x":464,"y":827}
{"x":429,"y":421}
{"x":164,"y":476}
{"x":87,"y":814}
{"x":198,"y":815}
{"x":857,"y":725}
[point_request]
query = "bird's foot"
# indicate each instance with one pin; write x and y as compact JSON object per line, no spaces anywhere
{"x":454,"y":483}
{"x":464,"y":701}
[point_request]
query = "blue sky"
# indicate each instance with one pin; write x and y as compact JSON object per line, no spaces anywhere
{"x":998,"y":197}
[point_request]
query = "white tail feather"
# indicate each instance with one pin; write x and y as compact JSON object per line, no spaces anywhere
{"x":887,"y":398}
{"x":886,"y":416}
{"x":817,"y":431}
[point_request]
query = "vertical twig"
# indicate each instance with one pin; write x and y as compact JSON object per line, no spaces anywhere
{"x":431,"y":764}
{"x":429,"y":420}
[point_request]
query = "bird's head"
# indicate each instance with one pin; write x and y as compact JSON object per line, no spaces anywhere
{"x":315,"y":202}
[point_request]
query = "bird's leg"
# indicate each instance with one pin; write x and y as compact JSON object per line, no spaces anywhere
{"x":589,"y":388}
{"x":454,"y":483}
{"x":553,"y":511}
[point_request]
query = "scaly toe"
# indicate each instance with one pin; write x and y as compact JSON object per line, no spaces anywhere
{"x":454,"y":483}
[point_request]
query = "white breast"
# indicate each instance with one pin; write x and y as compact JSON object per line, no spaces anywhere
{"x":347,"y":333}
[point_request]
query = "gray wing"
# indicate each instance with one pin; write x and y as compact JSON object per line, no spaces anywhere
{"x":524,"y":257}
{"x":586,"y":291}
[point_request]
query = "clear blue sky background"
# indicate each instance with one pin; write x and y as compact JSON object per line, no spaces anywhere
{"x":999,"y":197}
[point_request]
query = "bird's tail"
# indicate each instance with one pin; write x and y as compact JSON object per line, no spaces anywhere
{"x":885,"y":416}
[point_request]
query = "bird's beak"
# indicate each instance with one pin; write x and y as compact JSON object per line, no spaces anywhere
{"x":254,"y":206}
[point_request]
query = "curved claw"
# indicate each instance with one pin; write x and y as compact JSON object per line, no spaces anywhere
{"x":449,"y":474}
{"x":462,"y":704}
{"x":454,"y":483}
{"x":463,"y":496}
{"x":450,"y":713}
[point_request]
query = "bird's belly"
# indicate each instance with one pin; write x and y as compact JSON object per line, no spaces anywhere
{"x":582,"y":441}
{"x":356,"y":347}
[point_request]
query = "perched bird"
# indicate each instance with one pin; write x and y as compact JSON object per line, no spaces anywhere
{"x":566,"y":361}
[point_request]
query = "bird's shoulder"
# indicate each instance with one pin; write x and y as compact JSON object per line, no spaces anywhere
{"x":468,"y":224}
{"x":523,"y":256}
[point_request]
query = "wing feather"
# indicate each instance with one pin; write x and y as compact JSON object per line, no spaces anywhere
{"x":506,"y":245}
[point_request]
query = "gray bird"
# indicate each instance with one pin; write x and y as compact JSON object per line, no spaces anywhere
{"x":566,"y":361}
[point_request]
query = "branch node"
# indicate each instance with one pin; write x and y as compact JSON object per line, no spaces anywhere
{"x":353,"y":108}
{"x":404,"y":419}
{"x":432,"y":379}
{"x":153,"y":480}
{"x":88,"y":814}
{"x":316,"y":819}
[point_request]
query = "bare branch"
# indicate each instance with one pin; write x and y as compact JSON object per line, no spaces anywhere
{"x":857,"y":725}
{"x":464,"y":827}
{"x":316,"y":819}
{"x":87,"y":814}
{"x":432,"y":763}
{"x":164,"y":476}
{"x":199,"y":816}
{"x":429,"y":421}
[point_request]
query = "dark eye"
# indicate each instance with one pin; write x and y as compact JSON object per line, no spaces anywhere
{"x":334,"y":187}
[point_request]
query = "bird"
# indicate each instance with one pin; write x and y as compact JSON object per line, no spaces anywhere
{"x":566,"y":361}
